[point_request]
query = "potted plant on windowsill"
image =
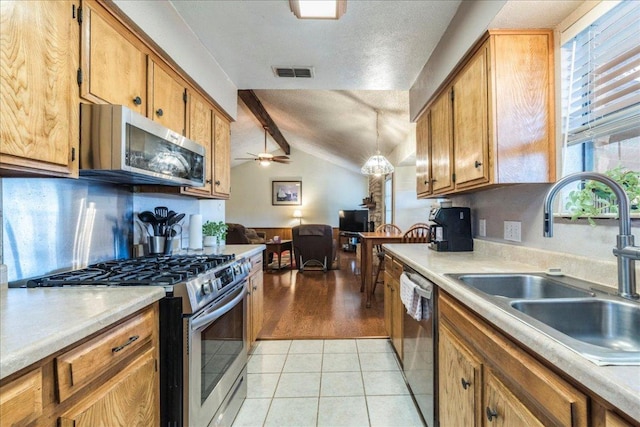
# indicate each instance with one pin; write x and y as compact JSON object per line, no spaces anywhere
{"x":596,"y":200}
{"x":214,"y":233}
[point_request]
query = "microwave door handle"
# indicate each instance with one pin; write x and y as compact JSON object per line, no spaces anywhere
{"x":206,"y":318}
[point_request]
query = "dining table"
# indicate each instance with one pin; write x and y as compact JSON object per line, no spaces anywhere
{"x":368,"y":240}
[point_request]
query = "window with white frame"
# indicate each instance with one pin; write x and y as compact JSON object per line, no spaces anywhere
{"x":600,"y":59}
{"x":388,"y":199}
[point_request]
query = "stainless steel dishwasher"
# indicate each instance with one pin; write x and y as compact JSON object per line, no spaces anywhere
{"x":419,"y":348}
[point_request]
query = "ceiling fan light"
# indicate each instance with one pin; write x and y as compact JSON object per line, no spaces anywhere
{"x":264,"y":163}
{"x":377,"y":165}
{"x":318,"y":9}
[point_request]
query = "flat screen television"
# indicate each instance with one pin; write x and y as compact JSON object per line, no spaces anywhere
{"x":355,"y":220}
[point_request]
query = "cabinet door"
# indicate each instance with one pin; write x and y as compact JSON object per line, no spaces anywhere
{"x":114,"y":69}
{"x":397,"y":318}
{"x":388,"y":301}
{"x":222,"y":159}
{"x":200,"y":129}
{"x":470,"y":122}
{"x":257,"y":304}
{"x":441,"y":144}
{"x":21,"y":399}
{"x":502,"y":408}
{"x":38,"y":101}
{"x":423,"y":169}
{"x":460,"y":382}
{"x":131,"y":398}
{"x":169,"y":107}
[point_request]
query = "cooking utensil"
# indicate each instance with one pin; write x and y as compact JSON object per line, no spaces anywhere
{"x":150,"y":218}
{"x":174,"y":219}
{"x":161,"y":212}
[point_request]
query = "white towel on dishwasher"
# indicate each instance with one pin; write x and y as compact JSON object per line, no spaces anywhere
{"x":410,"y":298}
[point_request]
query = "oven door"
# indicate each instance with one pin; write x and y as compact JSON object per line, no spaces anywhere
{"x":217,"y":358}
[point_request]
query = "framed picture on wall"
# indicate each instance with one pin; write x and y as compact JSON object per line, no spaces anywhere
{"x":286,"y":193}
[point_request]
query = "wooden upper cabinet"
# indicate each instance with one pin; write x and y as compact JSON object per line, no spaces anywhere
{"x":200,"y":130}
{"x":114,"y":69}
{"x":423,"y":160}
{"x":222,"y":157}
{"x":39,"y":112}
{"x":169,"y":106}
{"x":441,"y":144}
{"x":470,"y":122}
{"x":502,"y":123}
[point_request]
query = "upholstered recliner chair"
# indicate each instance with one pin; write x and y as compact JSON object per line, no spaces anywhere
{"x":313,"y":245}
{"x":238,"y":234}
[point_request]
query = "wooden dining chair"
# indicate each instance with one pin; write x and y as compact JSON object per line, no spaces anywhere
{"x":383,"y":228}
{"x":416,"y":234}
{"x":419,"y":224}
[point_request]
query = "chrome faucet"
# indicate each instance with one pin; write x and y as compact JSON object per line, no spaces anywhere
{"x":625,"y":250}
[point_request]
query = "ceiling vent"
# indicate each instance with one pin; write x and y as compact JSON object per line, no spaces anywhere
{"x":300,"y":72}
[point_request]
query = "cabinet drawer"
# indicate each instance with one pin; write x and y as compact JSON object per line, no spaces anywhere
{"x":78,"y":367}
{"x":21,"y":399}
{"x":256,"y":263}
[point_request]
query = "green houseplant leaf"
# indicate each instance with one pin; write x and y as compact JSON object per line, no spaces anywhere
{"x":596,"y":199}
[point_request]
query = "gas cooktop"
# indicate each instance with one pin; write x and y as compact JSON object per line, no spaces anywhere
{"x":143,"y":271}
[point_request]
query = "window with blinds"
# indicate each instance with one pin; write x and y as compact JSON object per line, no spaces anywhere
{"x":601,"y":93}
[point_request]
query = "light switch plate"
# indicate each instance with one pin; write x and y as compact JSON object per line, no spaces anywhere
{"x":482,"y":228}
{"x":512,"y":231}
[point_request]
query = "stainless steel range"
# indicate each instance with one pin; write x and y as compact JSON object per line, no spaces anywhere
{"x":203,"y":344}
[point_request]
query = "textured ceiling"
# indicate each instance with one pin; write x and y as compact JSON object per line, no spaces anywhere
{"x":367,"y":60}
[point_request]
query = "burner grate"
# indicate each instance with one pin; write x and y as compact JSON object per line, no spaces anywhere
{"x":143,"y":271}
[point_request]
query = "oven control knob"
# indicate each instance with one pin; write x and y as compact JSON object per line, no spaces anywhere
{"x":206,"y":288}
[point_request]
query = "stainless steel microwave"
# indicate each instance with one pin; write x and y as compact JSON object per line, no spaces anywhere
{"x":121,"y":146}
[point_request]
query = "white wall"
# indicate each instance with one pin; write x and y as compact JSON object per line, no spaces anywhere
{"x":408,"y":208}
{"x":524,"y":203}
{"x":326,"y":189}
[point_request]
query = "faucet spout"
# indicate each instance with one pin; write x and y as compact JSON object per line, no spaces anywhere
{"x":625,"y":250}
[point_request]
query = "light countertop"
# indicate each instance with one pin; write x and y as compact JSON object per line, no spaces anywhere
{"x":619,"y":385}
{"x":37,"y":322}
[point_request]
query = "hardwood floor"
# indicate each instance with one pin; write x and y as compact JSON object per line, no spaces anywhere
{"x":321,"y":305}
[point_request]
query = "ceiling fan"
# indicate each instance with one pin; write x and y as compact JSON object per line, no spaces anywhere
{"x":265,"y":158}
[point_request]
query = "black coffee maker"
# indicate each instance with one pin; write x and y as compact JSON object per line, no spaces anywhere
{"x":452,"y":229}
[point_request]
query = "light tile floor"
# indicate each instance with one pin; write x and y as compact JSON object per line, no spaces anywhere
{"x":355,"y":382}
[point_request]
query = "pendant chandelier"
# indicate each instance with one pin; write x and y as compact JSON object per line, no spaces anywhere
{"x":377,"y":164}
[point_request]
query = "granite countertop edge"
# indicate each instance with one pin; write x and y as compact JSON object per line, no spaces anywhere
{"x":619,"y":385}
{"x":60,"y":317}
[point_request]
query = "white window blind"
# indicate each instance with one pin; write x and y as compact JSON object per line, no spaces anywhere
{"x":601,"y":84}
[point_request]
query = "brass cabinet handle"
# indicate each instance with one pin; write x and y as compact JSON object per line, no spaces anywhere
{"x":477,"y":164}
{"x":217,"y":182}
{"x":159,"y":112}
{"x":491,"y":414}
{"x":208,"y":181}
{"x":129,"y":342}
{"x":465,"y":383}
{"x":137,"y":100}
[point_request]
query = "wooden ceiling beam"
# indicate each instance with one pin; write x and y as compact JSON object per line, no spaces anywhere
{"x":253,"y":103}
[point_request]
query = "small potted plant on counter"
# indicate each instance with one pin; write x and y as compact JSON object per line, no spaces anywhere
{"x":214,"y":232}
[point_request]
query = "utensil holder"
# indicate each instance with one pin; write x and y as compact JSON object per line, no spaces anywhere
{"x":156,"y":244}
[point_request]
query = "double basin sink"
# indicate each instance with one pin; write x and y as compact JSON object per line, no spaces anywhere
{"x":586,"y":318}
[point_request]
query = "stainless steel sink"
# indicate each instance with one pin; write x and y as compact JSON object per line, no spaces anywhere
{"x":605,"y":329}
{"x":581,"y":315}
{"x":526,"y":286}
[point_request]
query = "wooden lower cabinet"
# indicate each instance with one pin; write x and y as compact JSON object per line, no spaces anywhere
{"x":460,"y":390}
{"x":255,"y":299}
{"x":516,"y":389}
{"x":123,"y":400}
{"x":393,"y":307}
{"x":114,"y":381}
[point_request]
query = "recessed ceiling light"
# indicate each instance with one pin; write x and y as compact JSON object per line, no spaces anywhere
{"x":318,"y":9}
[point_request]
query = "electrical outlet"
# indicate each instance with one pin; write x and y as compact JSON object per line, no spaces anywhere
{"x":482,"y":228}
{"x":512,"y":231}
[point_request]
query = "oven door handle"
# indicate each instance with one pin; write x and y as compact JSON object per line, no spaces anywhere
{"x":207,"y":317}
